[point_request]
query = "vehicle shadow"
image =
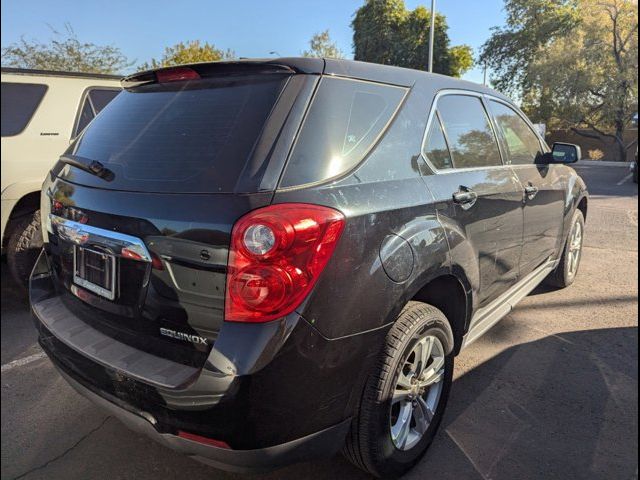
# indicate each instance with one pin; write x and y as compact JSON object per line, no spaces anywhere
{"x":565,"y":406}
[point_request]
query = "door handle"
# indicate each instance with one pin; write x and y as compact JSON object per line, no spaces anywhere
{"x":465,"y":197}
{"x":531,"y":191}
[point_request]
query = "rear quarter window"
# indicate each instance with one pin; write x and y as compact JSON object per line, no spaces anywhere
{"x":345,"y":119}
{"x":19,"y":102}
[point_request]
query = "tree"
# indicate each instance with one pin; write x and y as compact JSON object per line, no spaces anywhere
{"x":531,"y":25}
{"x":65,"y":52}
{"x":189,"y":52}
{"x":461,"y":58}
{"x":321,"y":46}
{"x":384,"y":31}
{"x":583,"y":75}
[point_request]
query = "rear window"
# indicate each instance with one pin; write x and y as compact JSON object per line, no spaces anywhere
{"x":183,"y":137}
{"x":345,"y":119}
{"x":19,"y":102}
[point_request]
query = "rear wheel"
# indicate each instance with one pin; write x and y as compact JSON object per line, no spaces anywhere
{"x":23,"y":247}
{"x":566,"y":271}
{"x":404,"y":398}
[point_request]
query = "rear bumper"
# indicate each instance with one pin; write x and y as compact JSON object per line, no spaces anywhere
{"x":276,"y":393}
{"x":321,"y":444}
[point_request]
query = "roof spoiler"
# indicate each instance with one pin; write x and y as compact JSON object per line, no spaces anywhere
{"x":215,"y":69}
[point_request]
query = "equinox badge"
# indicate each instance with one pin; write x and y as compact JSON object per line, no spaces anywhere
{"x":183,"y":336}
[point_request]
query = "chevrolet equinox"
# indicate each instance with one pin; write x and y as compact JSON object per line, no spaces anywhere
{"x":257,"y":263}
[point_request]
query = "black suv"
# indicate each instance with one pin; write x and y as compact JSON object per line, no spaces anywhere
{"x":262,"y":262}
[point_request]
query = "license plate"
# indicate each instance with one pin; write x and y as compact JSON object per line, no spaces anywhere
{"x":95,"y":270}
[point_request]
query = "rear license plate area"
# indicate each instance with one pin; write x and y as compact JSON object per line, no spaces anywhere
{"x":95,"y":270}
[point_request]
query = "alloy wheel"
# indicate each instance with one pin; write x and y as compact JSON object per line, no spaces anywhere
{"x":417,"y":392}
{"x":575,"y":248}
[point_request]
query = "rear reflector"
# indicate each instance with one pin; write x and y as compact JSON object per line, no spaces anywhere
{"x":176,"y":74}
{"x":204,"y":440}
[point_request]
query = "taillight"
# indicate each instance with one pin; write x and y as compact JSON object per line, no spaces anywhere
{"x":277,"y":253}
{"x":176,"y":74}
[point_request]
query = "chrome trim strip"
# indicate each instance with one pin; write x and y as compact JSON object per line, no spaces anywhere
{"x":432,"y":112}
{"x":86,"y":235}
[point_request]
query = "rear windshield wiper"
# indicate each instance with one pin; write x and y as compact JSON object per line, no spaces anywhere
{"x":90,"y":166}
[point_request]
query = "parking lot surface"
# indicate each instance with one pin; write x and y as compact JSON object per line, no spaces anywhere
{"x":549,"y":392}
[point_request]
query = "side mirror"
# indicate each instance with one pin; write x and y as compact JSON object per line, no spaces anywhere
{"x":563,"y":153}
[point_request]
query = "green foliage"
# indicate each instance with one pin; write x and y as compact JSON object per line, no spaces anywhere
{"x":531,"y":25}
{"x":321,"y":46}
{"x":65,"y":52}
{"x":190,"y":52}
{"x":461,"y":58}
{"x":385,"y":32}
{"x":573,"y":64}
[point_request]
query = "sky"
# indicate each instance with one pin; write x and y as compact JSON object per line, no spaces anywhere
{"x":251,"y":28}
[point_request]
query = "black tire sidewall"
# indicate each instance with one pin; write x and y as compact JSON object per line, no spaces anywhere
{"x":24,"y":246}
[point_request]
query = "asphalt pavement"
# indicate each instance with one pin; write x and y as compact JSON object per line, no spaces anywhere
{"x":550,"y":392}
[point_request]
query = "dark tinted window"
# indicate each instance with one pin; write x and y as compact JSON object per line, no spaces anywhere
{"x":95,"y":100}
{"x":86,"y":115}
{"x":436,"y":149}
{"x":471,"y":138}
{"x":345,"y":119}
{"x":19,"y":103}
{"x":100,"y":97}
{"x":182,"y":137}
{"x":521,"y":143}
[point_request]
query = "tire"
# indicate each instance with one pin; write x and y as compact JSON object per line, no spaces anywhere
{"x":369,"y":444}
{"x":564,"y":274}
{"x":24,"y":246}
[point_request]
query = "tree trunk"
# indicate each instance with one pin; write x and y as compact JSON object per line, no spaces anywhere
{"x":619,"y":136}
{"x":621,"y":148}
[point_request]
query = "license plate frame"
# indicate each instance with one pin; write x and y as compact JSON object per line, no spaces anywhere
{"x":108,"y":268}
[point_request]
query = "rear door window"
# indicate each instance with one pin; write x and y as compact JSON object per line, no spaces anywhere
{"x":345,"y":119}
{"x":179,"y":137}
{"x":94,"y":101}
{"x":471,"y":139}
{"x":521,"y":143}
{"x":19,"y":102}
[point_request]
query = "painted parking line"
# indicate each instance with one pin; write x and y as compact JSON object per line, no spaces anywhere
{"x":625,"y":179}
{"x":22,"y":361}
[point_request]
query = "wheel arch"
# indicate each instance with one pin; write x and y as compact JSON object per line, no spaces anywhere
{"x":27,"y":204}
{"x":582,"y":206}
{"x":451,"y":294}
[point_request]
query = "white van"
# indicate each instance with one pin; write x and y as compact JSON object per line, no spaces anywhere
{"x":42,"y":112}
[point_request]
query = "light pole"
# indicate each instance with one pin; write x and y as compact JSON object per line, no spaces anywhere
{"x":432,"y":34}
{"x":275,"y":52}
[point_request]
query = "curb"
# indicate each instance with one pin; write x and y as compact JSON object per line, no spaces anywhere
{"x":604,"y":163}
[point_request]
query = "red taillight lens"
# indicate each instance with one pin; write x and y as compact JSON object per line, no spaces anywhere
{"x":277,"y":253}
{"x":176,"y":74}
